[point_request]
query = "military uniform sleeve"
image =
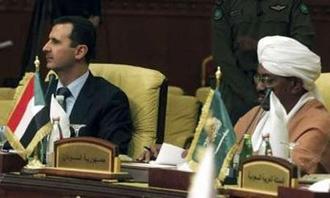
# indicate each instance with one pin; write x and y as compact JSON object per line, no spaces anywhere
{"x":301,"y":27}
{"x":223,"y":53}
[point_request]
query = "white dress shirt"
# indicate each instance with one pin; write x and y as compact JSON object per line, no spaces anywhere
{"x":75,"y":88}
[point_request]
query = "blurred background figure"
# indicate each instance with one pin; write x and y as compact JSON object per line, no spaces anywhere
{"x":90,"y":9}
{"x":237,"y":27}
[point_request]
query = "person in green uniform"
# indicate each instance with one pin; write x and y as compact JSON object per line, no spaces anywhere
{"x":237,"y":26}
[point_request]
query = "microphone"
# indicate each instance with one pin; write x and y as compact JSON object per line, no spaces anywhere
{"x":232,"y":174}
{"x":51,"y":80}
{"x":265,"y":103}
{"x":6,"y":44}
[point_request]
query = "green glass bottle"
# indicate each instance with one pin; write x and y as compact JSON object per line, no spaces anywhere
{"x":247,"y":150}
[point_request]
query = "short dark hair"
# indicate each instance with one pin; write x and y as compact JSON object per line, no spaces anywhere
{"x":83,"y":32}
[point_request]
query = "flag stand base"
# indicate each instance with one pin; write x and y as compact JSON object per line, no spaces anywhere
{"x":33,"y":167}
{"x":34,"y":164}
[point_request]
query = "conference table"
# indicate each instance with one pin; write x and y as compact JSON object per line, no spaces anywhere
{"x":40,"y":186}
{"x":16,"y":185}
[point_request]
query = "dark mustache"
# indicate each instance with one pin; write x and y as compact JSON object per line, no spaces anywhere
{"x":261,"y":92}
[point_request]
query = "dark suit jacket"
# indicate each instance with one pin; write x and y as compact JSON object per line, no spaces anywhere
{"x":104,"y":108}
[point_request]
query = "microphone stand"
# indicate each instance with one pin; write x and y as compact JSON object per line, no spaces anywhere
{"x":6,"y":44}
{"x":231,"y":177}
{"x":259,"y":111}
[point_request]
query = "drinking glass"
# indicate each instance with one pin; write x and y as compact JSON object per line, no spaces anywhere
{"x":290,"y":146}
{"x":76,"y":128}
{"x":3,"y":137}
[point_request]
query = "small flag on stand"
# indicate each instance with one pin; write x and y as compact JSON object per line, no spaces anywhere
{"x":28,"y":122}
{"x":215,"y":128}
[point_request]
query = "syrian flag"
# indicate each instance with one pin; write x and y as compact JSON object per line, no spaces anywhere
{"x":29,"y":122}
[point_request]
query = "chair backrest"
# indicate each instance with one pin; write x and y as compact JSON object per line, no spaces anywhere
{"x":181,"y":118}
{"x":208,"y":70}
{"x":6,"y":107}
{"x":7,"y":93}
{"x":6,"y":103}
{"x":8,"y":98}
{"x":146,"y":90}
{"x":202,"y":94}
{"x":323,"y":84}
{"x":174,"y":90}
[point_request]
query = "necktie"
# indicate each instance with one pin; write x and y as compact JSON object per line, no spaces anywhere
{"x":65,"y":92}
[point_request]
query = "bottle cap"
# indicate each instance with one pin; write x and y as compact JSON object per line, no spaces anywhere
{"x":56,"y":119}
{"x":265,"y":136}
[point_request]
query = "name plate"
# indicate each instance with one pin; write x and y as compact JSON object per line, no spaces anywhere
{"x":266,"y":174}
{"x":86,"y":153}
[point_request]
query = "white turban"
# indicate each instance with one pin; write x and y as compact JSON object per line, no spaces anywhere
{"x":287,"y":57}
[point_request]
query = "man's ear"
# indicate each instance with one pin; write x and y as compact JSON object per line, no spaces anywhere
{"x":81,"y":51}
{"x":297,"y":86}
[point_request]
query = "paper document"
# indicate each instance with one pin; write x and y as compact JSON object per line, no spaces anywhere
{"x":146,"y":165}
{"x":170,"y":155}
{"x":321,"y":186}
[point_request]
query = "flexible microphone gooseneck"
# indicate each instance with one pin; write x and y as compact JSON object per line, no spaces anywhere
{"x":52,"y":78}
{"x":264,"y":106}
{"x":232,"y":173}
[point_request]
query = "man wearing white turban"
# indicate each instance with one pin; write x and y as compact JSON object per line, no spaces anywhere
{"x":237,"y":26}
{"x":296,"y":115}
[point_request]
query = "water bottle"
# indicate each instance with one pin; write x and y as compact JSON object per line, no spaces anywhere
{"x":247,"y":150}
{"x":55,"y":134}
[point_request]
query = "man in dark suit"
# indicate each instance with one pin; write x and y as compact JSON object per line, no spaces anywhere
{"x":89,"y":100}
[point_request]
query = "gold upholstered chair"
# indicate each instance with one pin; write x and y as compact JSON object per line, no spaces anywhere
{"x":323,"y":84}
{"x":8,"y":97}
{"x":6,"y":103}
{"x":174,"y":90}
{"x":181,"y":117}
{"x":146,"y":90}
{"x":7,"y":93}
{"x":202,"y":94}
{"x":207,"y":71}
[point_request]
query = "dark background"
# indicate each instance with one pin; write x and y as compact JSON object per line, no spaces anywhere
{"x":172,"y":36}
